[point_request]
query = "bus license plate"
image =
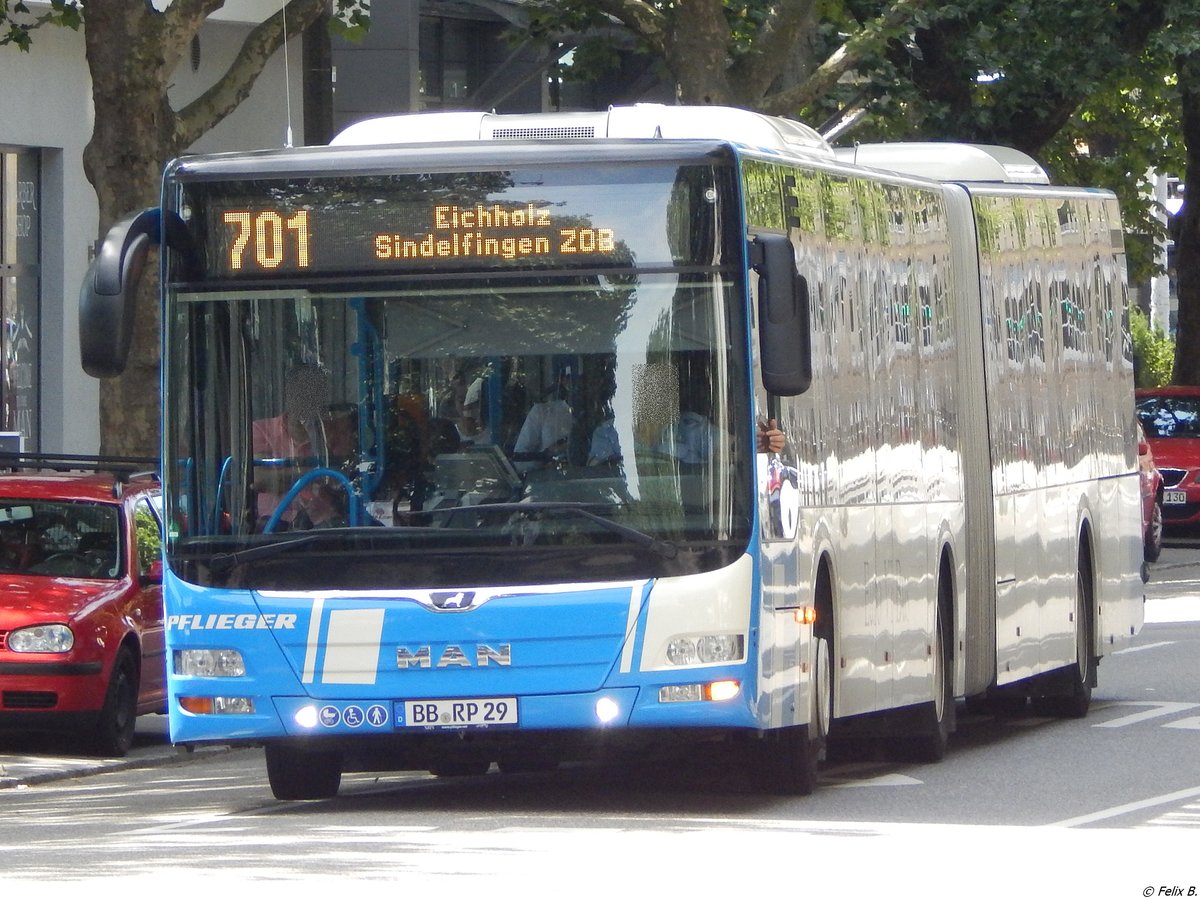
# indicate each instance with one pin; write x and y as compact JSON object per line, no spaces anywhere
{"x":1174,"y":498}
{"x":460,"y":713}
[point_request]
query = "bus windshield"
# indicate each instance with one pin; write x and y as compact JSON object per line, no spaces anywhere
{"x":446,"y":432}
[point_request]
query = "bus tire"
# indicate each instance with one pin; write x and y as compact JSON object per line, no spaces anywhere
{"x":301,"y":774}
{"x":789,"y":758}
{"x":114,"y":728}
{"x":1074,"y":698}
{"x":460,"y":766}
{"x":930,"y":733}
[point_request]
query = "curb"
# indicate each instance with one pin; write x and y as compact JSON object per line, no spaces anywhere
{"x":81,"y":767}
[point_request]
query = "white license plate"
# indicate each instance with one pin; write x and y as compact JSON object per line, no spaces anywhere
{"x":464,"y":713}
{"x":1174,"y":498}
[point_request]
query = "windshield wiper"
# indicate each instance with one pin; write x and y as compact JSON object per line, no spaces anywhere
{"x":223,"y":562}
{"x":663,"y":548}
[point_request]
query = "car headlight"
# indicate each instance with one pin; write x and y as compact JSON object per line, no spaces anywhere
{"x":41,"y":639}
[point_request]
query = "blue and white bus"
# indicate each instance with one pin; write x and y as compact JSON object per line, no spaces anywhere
{"x":468,"y":456}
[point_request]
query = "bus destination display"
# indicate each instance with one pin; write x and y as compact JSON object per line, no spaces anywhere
{"x":268,"y":239}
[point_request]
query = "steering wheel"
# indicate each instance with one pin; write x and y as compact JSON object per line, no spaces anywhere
{"x":304,"y":481}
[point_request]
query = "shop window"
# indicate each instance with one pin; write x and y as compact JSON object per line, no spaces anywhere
{"x":20,"y":288}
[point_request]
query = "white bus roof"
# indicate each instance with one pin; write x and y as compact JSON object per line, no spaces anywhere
{"x":944,"y":161}
{"x":642,"y":120}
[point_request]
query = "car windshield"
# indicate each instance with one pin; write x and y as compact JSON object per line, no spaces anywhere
{"x":63,"y":538}
{"x":1167,"y":417}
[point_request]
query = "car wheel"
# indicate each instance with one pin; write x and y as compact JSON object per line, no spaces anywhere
{"x":114,"y":730}
{"x":1154,"y":534}
{"x":301,"y":774}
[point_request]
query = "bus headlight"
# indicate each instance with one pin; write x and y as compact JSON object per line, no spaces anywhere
{"x":41,"y":639}
{"x":210,"y":663}
{"x":706,"y":649}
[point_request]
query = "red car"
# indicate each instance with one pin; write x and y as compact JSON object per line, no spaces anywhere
{"x":81,"y":621}
{"x":1170,"y":417}
{"x":1152,"y":494}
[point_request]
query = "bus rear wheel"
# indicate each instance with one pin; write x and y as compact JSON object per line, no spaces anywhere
{"x":1074,"y":698}
{"x":930,"y":736}
{"x":302,"y":774}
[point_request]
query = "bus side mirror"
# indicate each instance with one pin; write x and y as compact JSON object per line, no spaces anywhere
{"x":783,"y":325}
{"x":107,"y":298}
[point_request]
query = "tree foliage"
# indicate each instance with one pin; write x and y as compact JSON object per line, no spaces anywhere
{"x":1097,"y":92}
{"x":18,"y":22}
{"x":1153,"y":351}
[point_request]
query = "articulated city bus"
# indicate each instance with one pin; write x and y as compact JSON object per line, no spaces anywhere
{"x":511,"y":440}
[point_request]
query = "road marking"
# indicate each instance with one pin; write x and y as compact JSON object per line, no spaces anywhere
{"x":1157,"y":711}
{"x":893,"y":779}
{"x":1114,"y":811}
{"x":1192,"y":722}
{"x":1144,"y":647}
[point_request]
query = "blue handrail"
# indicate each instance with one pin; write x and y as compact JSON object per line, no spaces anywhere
{"x":304,"y":481}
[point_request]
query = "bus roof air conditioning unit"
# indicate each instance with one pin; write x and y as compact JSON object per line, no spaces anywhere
{"x":944,"y":161}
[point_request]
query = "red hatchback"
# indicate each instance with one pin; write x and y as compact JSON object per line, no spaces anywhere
{"x":1170,"y":417}
{"x":81,"y":621}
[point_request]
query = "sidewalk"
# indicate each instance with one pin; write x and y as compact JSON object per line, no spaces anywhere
{"x":26,"y":761}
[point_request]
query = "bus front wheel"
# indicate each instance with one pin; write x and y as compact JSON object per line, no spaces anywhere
{"x":788,"y":758}
{"x":302,"y":774}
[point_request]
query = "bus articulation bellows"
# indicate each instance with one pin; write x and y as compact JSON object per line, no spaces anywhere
{"x":464,"y":457}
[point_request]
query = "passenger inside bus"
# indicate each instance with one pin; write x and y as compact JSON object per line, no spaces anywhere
{"x":295,"y":441}
{"x":546,"y":431}
{"x":414,"y":441}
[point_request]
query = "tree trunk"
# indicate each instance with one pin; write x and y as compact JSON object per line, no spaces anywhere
{"x":132,"y":50}
{"x":1187,"y":241}
{"x":696,"y":51}
{"x":123,"y":161}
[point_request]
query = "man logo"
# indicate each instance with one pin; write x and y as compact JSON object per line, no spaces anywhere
{"x":453,"y":656}
{"x":453,"y":600}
